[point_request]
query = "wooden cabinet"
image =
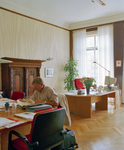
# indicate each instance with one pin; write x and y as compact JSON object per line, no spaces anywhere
{"x":31,"y":73}
{"x":18,"y":75}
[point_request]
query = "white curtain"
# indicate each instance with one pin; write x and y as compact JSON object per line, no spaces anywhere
{"x":105,"y":52}
{"x":79,"y":51}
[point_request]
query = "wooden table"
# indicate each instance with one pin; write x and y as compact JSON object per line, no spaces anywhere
{"x":23,"y":128}
{"x":81,"y":104}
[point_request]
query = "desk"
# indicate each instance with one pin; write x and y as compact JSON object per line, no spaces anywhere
{"x":23,"y":128}
{"x":81,"y":104}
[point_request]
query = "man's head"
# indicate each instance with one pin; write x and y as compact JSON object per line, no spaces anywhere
{"x":38,"y":84}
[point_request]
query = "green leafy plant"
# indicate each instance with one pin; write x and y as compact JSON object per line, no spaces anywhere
{"x":88,"y":82}
{"x":72,"y":73}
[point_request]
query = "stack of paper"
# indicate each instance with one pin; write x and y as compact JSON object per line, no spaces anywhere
{"x":5,"y":121}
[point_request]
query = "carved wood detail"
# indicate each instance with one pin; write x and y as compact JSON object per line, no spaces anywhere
{"x":18,"y":75}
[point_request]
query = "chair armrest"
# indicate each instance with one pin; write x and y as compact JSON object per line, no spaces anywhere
{"x":29,"y":145}
{"x":33,"y":145}
{"x":18,"y":135}
{"x":64,"y":131}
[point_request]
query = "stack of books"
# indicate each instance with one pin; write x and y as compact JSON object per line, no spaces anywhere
{"x":38,"y":107}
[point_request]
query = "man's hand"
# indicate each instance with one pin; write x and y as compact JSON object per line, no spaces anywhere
{"x":39,"y":101}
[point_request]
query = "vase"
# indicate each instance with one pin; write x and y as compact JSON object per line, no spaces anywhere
{"x":88,"y":90}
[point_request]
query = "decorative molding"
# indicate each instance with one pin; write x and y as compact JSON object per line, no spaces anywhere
{"x":26,"y":12}
{"x":98,"y":21}
{"x":50,"y":20}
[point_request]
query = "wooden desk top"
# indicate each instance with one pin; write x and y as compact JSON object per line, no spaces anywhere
{"x":18,"y":110}
{"x":11,"y":115}
{"x":90,"y":95}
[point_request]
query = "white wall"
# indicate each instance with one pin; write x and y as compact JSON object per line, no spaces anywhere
{"x":21,"y":37}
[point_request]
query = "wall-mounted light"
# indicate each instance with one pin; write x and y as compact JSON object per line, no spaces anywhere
{"x":93,"y":1}
{"x":48,"y":59}
{"x":5,"y":61}
{"x":99,"y":1}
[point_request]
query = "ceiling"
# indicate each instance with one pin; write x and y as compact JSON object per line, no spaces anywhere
{"x":69,"y":14}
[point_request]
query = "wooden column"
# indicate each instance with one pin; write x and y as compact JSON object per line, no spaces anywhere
{"x":118,"y":50}
{"x":71,"y":44}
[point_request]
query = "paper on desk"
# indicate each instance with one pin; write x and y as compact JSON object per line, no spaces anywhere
{"x":13,"y":124}
{"x":27,"y":103}
{"x":26,"y":115}
{"x":5,"y":121}
{"x":2,"y":104}
{"x":4,"y":100}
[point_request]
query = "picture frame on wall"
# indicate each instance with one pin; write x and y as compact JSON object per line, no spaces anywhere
{"x":48,"y":72}
{"x":118,"y":63}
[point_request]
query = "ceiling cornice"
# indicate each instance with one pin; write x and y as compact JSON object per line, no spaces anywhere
{"x":31,"y":14}
{"x":95,"y":22}
{"x":54,"y":22}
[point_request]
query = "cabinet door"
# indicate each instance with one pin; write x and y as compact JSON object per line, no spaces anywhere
{"x":31,"y":73}
{"x":16,"y":79}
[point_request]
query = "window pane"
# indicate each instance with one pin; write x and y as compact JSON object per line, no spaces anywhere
{"x":90,"y":41}
{"x":97,"y":41}
{"x":90,"y":59}
{"x":92,"y":71}
{"x":92,"y":55}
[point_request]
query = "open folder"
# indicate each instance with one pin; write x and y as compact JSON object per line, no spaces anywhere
{"x":28,"y":103}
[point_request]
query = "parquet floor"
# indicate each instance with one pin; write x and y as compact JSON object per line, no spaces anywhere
{"x":104,"y":131}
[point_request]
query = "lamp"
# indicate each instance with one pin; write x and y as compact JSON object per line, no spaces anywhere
{"x":109,"y":87}
{"x":99,"y":1}
{"x":102,"y":67}
{"x":50,"y":58}
{"x":5,"y":61}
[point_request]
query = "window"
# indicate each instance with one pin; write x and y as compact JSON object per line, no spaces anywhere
{"x":92,"y":54}
{"x":89,"y":46}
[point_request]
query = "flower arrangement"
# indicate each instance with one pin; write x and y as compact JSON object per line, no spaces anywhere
{"x":88,"y":82}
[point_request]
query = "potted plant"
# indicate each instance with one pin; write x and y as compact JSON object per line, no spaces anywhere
{"x":72,"y":73}
{"x":88,"y":82}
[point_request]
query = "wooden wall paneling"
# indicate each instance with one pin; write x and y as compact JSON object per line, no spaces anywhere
{"x":118,"y":50}
{"x":27,"y":38}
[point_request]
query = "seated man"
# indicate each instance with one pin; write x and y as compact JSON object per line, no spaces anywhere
{"x":44,"y":93}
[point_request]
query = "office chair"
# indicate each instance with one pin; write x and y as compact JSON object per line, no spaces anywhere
{"x":17,"y":95}
{"x":46,"y":132}
{"x":78,"y":84}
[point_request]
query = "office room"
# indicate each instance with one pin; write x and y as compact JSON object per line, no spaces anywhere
{"x":47,"y":31}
